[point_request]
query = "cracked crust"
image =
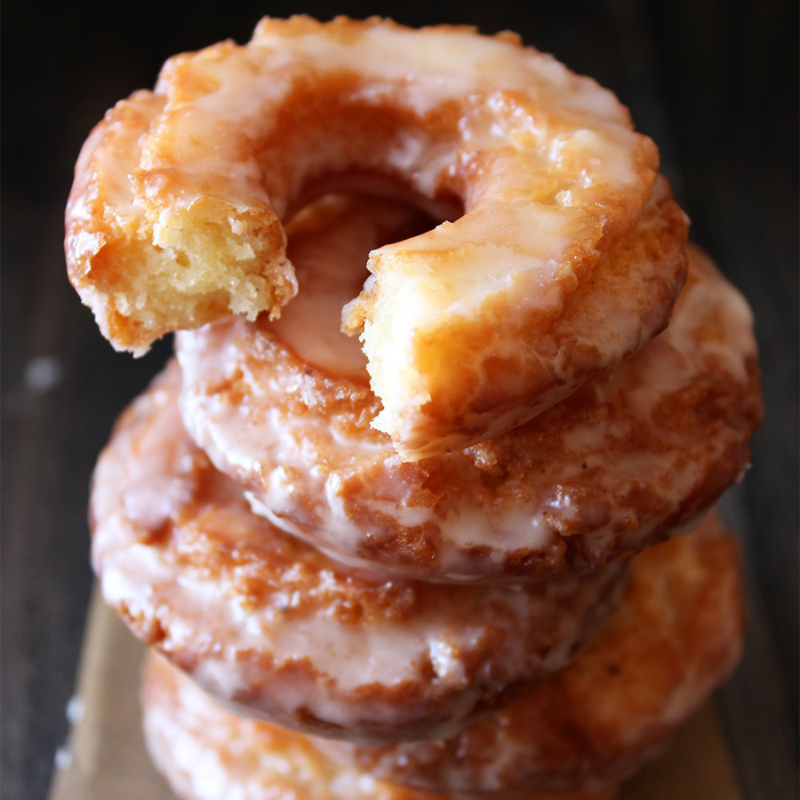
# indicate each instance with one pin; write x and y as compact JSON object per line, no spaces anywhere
{"x":675,"y":637}
{"x":268,"y":622}
{"x":623,"y":463}
{"x":168,"y":229}
{"x":206,"y":752}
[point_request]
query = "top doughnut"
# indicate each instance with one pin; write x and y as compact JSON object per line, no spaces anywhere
{"x":176,"y":214}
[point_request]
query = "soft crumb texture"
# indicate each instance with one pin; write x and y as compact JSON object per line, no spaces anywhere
{"x":144,"y":274}
{"x":481,"y":370}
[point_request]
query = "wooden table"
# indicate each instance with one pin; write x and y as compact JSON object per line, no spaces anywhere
{"x":714,"y":83}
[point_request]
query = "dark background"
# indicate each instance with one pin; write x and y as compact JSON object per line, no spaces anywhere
{"x":714,"y":82}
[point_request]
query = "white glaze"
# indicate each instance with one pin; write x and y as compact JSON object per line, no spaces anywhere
{"x":711,"y":334}
{"x":545,"y":164}
{"x":287,"y":652}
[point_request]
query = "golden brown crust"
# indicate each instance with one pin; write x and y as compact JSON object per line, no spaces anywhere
{"x":131,"y":283}
{"x":611,"y":307}
{"x":619,"y":465}
{"x":674,"y":638}
{"x":262,"y":619}
{"x":175,"y":218}
{"x":205,"y":752}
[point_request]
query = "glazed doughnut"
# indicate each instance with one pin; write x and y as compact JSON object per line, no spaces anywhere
{"x":175,"y":218}
{"x":625,"y":461}
{"x":264,"y":620}
{"x":207,"y":753}
{"x":676,"y":635}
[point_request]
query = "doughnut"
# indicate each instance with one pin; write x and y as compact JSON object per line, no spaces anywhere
{"x":180,"y":197}
{"x":207,"y":753}
{"x":271,"y":624}
{"x":676,"y":635}
{"x":625,"y":461}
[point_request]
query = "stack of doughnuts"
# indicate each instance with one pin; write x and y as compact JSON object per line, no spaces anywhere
{"x":409,"y":529}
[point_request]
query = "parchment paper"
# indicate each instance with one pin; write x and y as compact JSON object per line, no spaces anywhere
{"x":105,"y":757}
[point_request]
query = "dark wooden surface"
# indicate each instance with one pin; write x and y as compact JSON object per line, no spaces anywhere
{"x":715,"y":83}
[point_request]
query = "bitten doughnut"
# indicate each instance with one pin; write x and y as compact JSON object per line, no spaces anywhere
{"x":624,"y":462}
{"x":675,"y":637}
{"x":207,"y":753}
{"x":270,"y":623}
{"x":175,"y":218}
